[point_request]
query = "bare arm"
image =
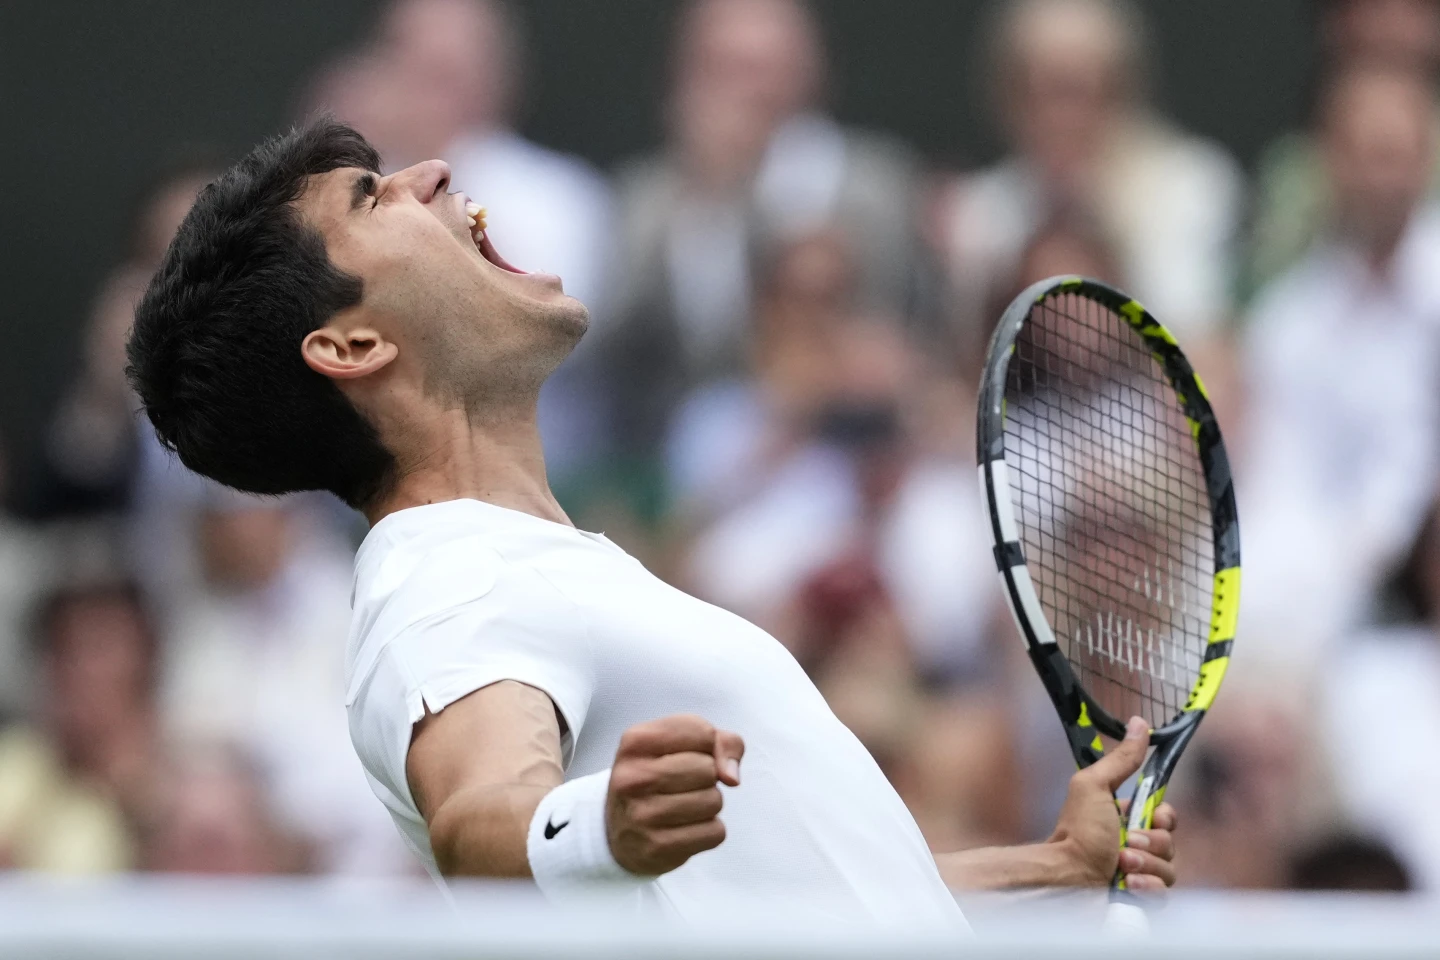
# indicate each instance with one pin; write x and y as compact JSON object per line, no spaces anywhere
{"x":1085,"y":847}
{"x":478,"y":769}
{"x":1003,"y":868}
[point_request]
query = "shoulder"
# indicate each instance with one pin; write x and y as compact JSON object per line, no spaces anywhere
{"x":454,"y":586}
{"x":1425,"y":230}
{"x":1192,"y":179}
{"x":645,"y":178}
{"x":421,"y":579}
{"x":402,"y":581}
{"x":435,"y":622}
{"x":1290,"y":298}
{"x":563,"y":172}
{"x":530,"y":172}
{"x":1188,"y":154}
{"x":450,"y":576}
{"x":1003,"y":192}
{"x":881,"y":152}
{"x":1386,"y":671}
{"x":1292,"y":158}
{"x":1391,"y":651}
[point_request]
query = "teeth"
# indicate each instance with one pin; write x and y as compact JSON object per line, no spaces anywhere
{"x":475,"y":215}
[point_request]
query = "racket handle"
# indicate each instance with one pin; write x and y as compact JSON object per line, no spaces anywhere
{"x":1126,"y":921}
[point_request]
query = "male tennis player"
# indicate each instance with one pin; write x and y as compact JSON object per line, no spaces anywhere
{"x":526,"y":698}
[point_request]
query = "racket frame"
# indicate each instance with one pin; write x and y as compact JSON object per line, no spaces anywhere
{"x":1084,"y":720}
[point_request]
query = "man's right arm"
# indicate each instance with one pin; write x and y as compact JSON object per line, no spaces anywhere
{"x":480,"y":768}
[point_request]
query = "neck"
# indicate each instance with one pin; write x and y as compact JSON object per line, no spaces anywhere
{"x":1377,"y":242}
{"x":499,"y":461}
{"x":1380,"y":254}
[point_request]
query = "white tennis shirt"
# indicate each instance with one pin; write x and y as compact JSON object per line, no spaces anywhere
{"x":453,"y":596}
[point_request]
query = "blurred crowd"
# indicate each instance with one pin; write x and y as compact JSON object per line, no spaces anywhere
{"x":774,"y":409}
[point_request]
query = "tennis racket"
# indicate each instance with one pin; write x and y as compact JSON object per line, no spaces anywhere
{"x":1114,"y":520}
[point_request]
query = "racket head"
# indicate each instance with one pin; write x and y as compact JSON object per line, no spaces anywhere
{"x":1112,"y":510}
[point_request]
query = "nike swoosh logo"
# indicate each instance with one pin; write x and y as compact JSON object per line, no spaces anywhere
{"x":551,"y":828}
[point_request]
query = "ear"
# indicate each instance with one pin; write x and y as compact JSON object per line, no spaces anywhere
{"x":347,"y":353}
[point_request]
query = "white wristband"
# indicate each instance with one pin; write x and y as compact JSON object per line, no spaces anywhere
{"x":567,"y":844}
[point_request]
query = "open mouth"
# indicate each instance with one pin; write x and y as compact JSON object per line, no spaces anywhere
{"x":475,"y":214}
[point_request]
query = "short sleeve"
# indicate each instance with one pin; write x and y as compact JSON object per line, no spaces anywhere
{"x":523,"y":631}
{"x":460,"y":619}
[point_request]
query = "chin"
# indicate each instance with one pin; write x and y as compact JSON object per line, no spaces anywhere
{"x":569,"y":316}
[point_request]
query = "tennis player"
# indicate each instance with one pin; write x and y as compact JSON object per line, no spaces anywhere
{"x":527,"y":699}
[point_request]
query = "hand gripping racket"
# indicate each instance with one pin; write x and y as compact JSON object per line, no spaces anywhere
{"x":1114,"y":522}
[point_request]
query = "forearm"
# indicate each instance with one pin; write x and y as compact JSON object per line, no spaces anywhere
{"x":1050,"y":864}
{"x":481,"y":831}
{"x":477,"y":771}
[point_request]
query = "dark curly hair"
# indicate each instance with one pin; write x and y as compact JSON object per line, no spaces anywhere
{"x":215,"y":351}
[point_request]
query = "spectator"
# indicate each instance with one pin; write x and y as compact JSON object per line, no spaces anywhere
{"x":829,"y":469}
{"x":1063,"y":244}
{"x":1069,"y":88}
{"x":72,"y":783}
{"x":1340,"y":360}
{"x":1396,"y":671}
{"x":95,"y":447}
{"x":1293,"y":203}
{"x":256,"y":660}
{"x":101,"y":466}
{"x":751,"y":162}
{"x":1253,"y":785}
{"x":27,"y":559}
{"x":213,"y":818}
{"x":727,"y":436}
{"x":1346,"y":862}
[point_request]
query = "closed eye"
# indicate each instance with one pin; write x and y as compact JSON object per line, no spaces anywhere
{"x":365,"y":186}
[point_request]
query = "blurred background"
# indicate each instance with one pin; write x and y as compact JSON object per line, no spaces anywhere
{"x":795,"y":225}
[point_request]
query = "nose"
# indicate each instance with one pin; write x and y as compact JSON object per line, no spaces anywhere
{"x":424,"y":181}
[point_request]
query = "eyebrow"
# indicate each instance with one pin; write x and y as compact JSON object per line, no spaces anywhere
{"x":360,"y":189}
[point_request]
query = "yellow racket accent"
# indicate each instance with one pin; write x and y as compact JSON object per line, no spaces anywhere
{"x":1225,"y":607}
{"x":1085,"y":721}
{"x":1224,"y":613}
{"x":1211,"y":673}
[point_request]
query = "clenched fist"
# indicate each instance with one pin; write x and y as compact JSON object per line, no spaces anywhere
{"x":664,"y":801}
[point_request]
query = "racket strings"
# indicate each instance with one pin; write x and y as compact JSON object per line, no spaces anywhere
{"x":1111,"y":504}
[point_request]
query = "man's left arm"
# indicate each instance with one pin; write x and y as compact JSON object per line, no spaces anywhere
{"x":1085,"y":849}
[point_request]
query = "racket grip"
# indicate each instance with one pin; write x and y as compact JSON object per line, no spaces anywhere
{"x":1126,"y":921}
